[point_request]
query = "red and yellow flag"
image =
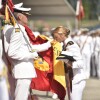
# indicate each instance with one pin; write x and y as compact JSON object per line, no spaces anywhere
{"x":50,"y":72}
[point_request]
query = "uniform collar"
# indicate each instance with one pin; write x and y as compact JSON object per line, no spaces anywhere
{"x":21,"y":26}
{"x":67,"y":40}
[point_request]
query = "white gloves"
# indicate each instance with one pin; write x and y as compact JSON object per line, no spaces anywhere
{"x":34,"y":55}
{"x":49,"y":44}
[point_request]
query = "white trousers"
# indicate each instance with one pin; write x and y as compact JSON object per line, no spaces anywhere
{"x":4,"y":95}
{"x":22,"y":89}
{"x":86,"y":61}
{"x":77,"y":90}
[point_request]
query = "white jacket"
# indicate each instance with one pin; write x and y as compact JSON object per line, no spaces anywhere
{"x":78,"y":64}
{"x":18,"y":52}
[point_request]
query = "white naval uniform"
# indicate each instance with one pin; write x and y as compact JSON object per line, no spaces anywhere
{"x":95,"y":66}
{"x":86,"y":51}
{"x":21,"y":58}
{"x":4,"y":95}
{"x":78,"y":82}
{"x":98,"y":56}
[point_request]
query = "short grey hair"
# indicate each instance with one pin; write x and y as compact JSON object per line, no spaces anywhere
{"x":16,"y":15}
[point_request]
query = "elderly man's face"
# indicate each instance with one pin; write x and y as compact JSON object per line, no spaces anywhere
{"x":23,"y":18}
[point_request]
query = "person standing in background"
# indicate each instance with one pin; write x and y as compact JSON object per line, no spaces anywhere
{"x":4,"y":92}
{"x":85,"y":41}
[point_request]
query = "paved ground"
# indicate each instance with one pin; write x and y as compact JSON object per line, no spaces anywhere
{"x":91,"y":92}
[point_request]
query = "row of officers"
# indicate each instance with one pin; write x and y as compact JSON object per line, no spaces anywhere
{"x":89,"y":43}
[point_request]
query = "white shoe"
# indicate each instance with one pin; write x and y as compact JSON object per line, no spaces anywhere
{"x":55,"y":96}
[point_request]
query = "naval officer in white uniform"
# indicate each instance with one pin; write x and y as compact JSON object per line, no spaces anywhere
{"x":18,"y":52}
{"x":61,"y":34}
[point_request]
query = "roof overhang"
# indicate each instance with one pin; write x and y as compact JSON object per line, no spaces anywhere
{"x":49,"y":9}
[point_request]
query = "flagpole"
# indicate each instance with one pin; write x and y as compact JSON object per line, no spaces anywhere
{"x":76,"y":23}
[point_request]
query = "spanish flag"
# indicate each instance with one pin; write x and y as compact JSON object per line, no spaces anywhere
{"x":50,"y":72}
{"x":79,"y":10}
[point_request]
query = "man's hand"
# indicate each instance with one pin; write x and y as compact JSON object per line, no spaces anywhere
{"x":35,"y":55}
{"x":53,"y":41}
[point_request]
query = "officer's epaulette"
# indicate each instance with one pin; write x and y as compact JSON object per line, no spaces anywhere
{"x":17,"y":30}
{"x":70,"y":43}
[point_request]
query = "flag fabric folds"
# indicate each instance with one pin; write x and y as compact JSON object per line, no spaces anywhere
{"x":50,"y":72}
{"x":58,"y":66}
{"x":79,"y":10}
{"x":3,"y":4}
{"x":9,"y":3}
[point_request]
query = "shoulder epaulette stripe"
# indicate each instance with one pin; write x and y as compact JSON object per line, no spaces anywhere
{"x":17,"y":30}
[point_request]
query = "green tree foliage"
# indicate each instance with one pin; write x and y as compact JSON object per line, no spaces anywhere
{"x":93,"y":9}
{"x":86,"y":5}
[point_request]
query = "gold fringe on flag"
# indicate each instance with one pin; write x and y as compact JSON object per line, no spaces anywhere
{"x":7,"y":18}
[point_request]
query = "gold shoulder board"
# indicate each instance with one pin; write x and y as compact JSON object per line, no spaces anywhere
{"x":70,"y":43}
{"x":17,"y":30}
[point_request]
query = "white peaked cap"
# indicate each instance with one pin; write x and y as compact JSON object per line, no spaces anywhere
{"x":84,"y":29}
{"x":19,"y":8}
{"x":23,"y":9}
{"x":18,"y":5}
